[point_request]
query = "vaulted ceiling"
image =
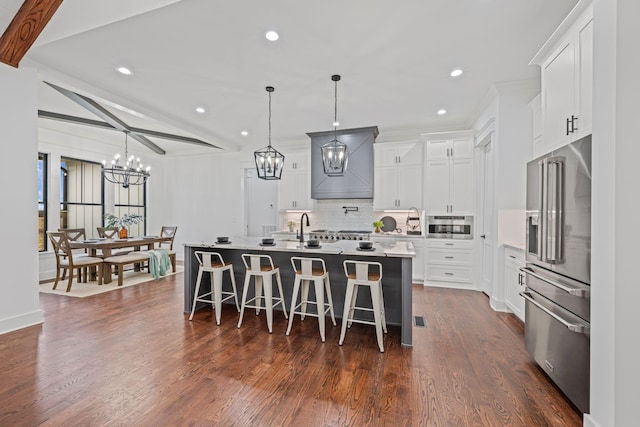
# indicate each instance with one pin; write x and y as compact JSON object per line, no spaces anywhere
{"x":394,"y":58}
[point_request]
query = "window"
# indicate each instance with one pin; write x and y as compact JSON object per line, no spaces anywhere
{"x":131,"y":200}
{"x":81,"y":200}
{"x":42,"y":202}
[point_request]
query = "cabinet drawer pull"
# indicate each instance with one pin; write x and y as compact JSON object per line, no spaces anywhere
{"x":448,"y":244}
{"x":511,"y":256}
{"x":567,"y":127}
{"x":448,"y":274}
{"x":448,"y":257}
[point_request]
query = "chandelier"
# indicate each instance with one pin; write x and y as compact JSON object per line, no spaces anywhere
{"x":132,"y":172}
{"x":334,"y":153}
{"x":269,"y":162}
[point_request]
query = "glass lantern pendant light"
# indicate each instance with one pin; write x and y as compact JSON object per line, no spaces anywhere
{"x":334,"y":153}
{"x":269,"y":162}
{"x":129,"y":172}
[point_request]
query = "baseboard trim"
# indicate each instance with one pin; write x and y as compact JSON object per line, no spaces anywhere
{"x":21,"y":321}
{"x":587,"y":421}
{"x":451,"y":285}
{"x":497,"y":305}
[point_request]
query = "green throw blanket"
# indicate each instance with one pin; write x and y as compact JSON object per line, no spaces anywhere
{"x":159,"y":262}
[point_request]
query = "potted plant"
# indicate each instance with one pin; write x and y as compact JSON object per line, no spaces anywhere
{"x":378,"y":225}
{"x":111,"y":220}
{"x":291,"y":223}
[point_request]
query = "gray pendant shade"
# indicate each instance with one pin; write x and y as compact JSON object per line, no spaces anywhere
{"x":269,"y":161}
{"x":334,"y":153}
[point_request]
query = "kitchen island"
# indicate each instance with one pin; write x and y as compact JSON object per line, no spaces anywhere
{"x":396,"y":258}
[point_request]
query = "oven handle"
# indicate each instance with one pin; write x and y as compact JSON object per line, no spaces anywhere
{"x":573,"y":327}
{"x":571,"y":291}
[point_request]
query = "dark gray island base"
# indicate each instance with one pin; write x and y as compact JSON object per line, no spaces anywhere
{"x":396,"y":260}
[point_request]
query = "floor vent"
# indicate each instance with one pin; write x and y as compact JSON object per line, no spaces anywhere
{"x":419,"y":321}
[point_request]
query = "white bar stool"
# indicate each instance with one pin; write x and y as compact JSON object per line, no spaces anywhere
{"x":261,"y":267}
{"x":213,"y":263}
{"x":358,"y":274}
{"x":305,"y":273}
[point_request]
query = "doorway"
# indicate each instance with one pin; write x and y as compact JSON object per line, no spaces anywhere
{"x":261,"y":205}
{"x":487,"y":216}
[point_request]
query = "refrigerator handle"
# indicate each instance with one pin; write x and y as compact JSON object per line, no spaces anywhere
{"x":554,"y":209}
{"x":541,"y":251}
{"x":571,"y":291}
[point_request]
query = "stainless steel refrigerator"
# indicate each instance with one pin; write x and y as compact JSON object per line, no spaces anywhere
{"x":558,"y":268}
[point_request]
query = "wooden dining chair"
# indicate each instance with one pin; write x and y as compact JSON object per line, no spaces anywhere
{"x":76,"y":235}
{"x":108,"y":232}
{"x":66,"y":260}
{"x":169,"y":233}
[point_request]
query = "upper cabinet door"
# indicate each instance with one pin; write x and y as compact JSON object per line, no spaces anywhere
{"x":438,"y":149}
{"x":566,"y":62}
{"x":559,"y":95}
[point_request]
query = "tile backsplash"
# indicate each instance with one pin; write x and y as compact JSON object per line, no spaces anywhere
{"x":341,"y":214}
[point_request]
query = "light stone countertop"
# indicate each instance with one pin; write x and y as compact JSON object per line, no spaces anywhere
{"x":393,"y":248}
{"x":518,"y":246}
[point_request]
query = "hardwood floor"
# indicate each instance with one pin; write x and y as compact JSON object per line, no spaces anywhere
{"x":131,"y":357}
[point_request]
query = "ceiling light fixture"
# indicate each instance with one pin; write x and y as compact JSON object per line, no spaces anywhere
{"x":442,"y":111}
{"x":334,"y":153}
{"x":244,"y":133}
{"x":269,"y":162}
{"x":131,"y":173}
{"x":272,"y":36}
{"x":456,"y":73}
{"x":200,"y":110}
{"x":124,"y":70}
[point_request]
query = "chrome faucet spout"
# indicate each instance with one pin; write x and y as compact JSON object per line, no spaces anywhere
{"x":304,"y":215}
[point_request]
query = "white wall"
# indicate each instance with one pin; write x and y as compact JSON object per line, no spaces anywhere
{"x":201,"y":195}
{"x":19,"y":305}
{"x":615,"y":343}
{"x":512,"y":149}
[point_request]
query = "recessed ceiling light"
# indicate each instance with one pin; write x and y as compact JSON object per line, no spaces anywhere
{"x":244,"y":133}
{"x":442,"y":111}
{"x":200,"y":110}
{"x":336,"y":124}
{"x":272,"y":36}
{"x":124,"y":70}
{"x":456,"y":73}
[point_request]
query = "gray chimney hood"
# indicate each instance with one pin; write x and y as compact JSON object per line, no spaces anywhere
{"x":357,"y":182}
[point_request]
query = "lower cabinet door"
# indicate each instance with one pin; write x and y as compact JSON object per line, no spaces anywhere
{"x":448,"y":273}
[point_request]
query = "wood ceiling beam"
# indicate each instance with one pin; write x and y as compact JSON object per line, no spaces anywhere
{"x":24,"y":29}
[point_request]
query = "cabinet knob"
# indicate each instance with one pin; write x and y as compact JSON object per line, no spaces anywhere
{"x":483,"y":236}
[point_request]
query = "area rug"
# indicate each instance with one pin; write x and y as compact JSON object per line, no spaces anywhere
{"x":82,"y":290}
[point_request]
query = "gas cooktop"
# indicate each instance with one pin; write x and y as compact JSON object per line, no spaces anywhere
{"x":333,"y":235}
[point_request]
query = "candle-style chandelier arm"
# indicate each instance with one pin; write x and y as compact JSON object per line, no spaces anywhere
{"x":131,"y":172}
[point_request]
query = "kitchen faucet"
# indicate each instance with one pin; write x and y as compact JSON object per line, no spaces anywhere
{"x":302,"y":227}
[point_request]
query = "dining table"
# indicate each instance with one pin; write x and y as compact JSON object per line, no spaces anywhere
{"x":106,"y":246}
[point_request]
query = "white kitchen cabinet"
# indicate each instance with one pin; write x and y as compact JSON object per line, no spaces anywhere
{"x":566,"y":62}
{"x":448,"y":185}
{"x":398,"y":175}
{"x":449,"y":263}
{"x":514,"y":280}
{"x":536,"y":110}
{"x":294,"y":187}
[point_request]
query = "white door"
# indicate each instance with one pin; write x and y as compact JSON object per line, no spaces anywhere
{"x":486,"y":230}
{"x":261,"y":204}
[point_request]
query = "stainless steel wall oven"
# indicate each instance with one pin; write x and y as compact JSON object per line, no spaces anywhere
{"x":450,"y":227}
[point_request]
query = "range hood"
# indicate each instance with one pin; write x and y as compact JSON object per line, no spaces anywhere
{"x":357,"y":182}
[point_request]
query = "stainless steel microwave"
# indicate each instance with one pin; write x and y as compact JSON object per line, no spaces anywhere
{"x":450,"y":227}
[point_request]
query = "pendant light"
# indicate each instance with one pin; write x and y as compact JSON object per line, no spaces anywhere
{"x":269,"y":162}
{"x":129,"y":172}
{"x":334,"y":153}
